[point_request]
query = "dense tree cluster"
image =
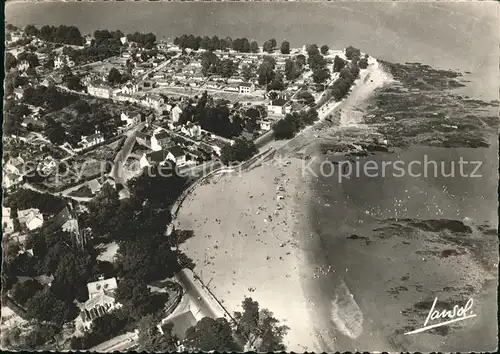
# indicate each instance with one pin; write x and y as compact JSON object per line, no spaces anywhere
{"x":269,"y":45}
{"x":14,"y":112}
{"x":317,"y":64}
{"x":306,"y":97}
{"x":102,"y":329}
{"x":215,"y":118}
{"x":242,"y":45}
{"x":209,"y":334}
{"x":212,"y":65}
{"x":265,"y":72}
{"x":23,"y":291}
{"x":338,"y":64}
{"x":241,"y":150}
{"x":292,"y":69}
{"x":285,"y":47}
{"x":115,"y":77}
{"x":26,"y":198}
{"x":144,"y":39}
{"x":10,"y":61}
{"x":363,"y":63}
{"x":29,"y":57}
{"x":254,"y":329}
{"x":259,"y":328}
{"x":324,"y":49}
{"x":248,"y":71}
{"x":351,"y":52}
{"x":105,"y":44}
{"x":151,"y":340}
{"x":342,"y":85}
{"x":289,"y":126}
{"x":61,"y":34}
{"x":49,"y":98}
{"x":46,"y":307}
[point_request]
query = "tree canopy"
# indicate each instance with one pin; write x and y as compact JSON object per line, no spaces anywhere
{"x":242,"y":150}
{"x":151,"y":340}
{"x":259,"y":328}
{"x":209,"y":334}
{"x":285,"y":47}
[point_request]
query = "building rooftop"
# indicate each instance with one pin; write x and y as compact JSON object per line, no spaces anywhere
{"x":177,"y":151}
{"x":278,"y":102}
{"x":143,"y":135}
{"x":162,"y":135}
{"x":157,"y":156}
{"x":101,"y":286}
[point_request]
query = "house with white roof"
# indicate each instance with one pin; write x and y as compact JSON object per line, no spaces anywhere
{"x":278,"y":107}
{"x":130,"y":88}
{"x":175,"y":113}
{"x":11,"y":179}
{"x":91,"y":140}
{"x":15,"y":165}
{"x":23,"y":66}
{"x":101,"y":301}
{"x":99,"y":89}
{"x":32,"y":218}
{"x":153,"y":158}
{"x":246,"y":87}
{"x":7,"y":222}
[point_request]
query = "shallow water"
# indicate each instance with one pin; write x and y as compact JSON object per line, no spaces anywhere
{"x":357,"y":205}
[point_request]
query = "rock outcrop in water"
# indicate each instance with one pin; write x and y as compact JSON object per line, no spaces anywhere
{"x":422,"y":109}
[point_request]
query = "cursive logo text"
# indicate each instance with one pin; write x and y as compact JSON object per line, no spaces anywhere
{"x":458,"y":313}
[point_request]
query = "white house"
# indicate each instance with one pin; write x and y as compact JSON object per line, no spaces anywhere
{"x":231,"y":89}
{"x":91,"y":140}
{"x":130,"y":88}
{"x":176,"y":154}
{"x":7,"y":222}
{"x":101,"y":301}
{"x":278,"y":107}
{"x":153,"y":158}
{"x":160,"y":140}
{"x":144,"y":139}
{"x":99,"y":89}
{"x":63,"y":60}
{"x":94,"y":186}
{"x":246,"y":87}
{"x":23,"y":66}
{"x":32,"y":218}
{"x":175,"y":113}
{"x":265,"y":124}
{"x":47,"y":165}
{"x":130,"y":121}
{"x":152,"y":101}
{"x":15,"y":165}
{"x":191,"y":130}
{"x":18,"y":93}
{"x":67,"y":220}
{"x":11,"y":179}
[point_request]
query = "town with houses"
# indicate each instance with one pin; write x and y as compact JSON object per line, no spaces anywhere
{"x":84,"y":117}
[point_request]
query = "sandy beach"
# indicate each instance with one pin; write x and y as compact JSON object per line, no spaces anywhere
{"x":244,"y":243}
